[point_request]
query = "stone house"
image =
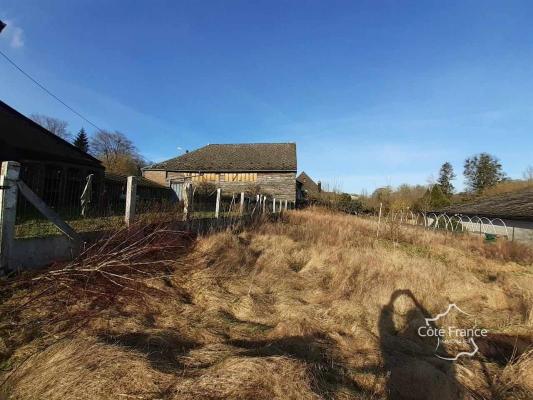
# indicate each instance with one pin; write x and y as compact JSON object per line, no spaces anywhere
{"x":266,"y":168}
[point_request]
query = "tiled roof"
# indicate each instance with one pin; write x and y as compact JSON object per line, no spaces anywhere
{"x":234,"y":157}
{"x":122,"y":179}
{"x":307,"y":183}
{"x":515,"y":205}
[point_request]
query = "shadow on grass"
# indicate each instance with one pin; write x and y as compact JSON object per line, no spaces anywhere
{"x":329,"y":374}
{"x":247,"y":326}
{"x":162,"y":348}
{"x":414,"y":372}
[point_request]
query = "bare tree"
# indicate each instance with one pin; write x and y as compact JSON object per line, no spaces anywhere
{"x":528,"y":174}
{"x":56,"y":126}
{"x":117,"y":152}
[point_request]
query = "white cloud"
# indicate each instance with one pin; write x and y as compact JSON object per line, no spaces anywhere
{"x":13,"y":34}
{"x":17,"y":39}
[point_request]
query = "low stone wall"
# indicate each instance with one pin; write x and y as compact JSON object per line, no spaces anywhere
{"x":513,"y":230}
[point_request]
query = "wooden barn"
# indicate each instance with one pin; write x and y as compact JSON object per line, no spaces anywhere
{"x":52,"y":167}
{"x":306,"y":188}
{"x":267,"y":168}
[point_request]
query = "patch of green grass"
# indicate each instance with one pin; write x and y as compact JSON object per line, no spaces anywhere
{"x":39,"y":228}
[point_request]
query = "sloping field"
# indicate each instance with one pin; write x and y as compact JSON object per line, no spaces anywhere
{"x":312,"y":307}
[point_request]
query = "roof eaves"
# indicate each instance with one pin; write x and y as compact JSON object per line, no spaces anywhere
{"x":47,"y":132}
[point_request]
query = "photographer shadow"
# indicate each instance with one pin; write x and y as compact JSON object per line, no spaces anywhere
{"x":413,"y":370}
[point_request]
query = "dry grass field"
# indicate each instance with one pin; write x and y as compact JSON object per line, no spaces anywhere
{"x":309,"y":307}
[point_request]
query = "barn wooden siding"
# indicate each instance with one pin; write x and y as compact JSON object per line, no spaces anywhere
{"x":281,"y":185}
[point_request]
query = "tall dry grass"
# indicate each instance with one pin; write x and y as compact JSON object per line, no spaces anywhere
{"x":310,"y":307}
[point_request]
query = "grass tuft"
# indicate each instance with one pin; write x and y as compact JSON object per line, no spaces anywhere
{"x":313,"y":306}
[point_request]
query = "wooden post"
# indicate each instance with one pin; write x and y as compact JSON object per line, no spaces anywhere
{"x":131,"y":197}
{"x":241,"y":205}
{"x":512,"y":240}
{"x":273,"y":205}
{"x":9,"y":175}
{"x":217,"y":206}
{"x":379,"y":219}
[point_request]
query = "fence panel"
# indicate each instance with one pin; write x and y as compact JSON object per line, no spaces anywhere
{"x":102,"y":208}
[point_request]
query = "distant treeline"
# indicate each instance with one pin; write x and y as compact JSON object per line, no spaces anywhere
{"x":483,"y":174}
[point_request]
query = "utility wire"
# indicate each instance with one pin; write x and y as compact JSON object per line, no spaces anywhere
{"x":48,"y":91}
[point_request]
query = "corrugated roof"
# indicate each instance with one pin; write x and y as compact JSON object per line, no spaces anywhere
{"x":23,"y":139}
{"x":515,"y":205}
{"x":235,"y":157}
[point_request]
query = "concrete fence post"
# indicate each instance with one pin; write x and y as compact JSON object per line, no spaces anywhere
{"x":285,"y":205}
{"x":217,"y":206}
{"x":187,"y":200}
{"x":379,"y":220}
{"x":9,"y":175}
{"x":273,"y":205}
{"x":131,"y":199}
{"x":264,"y":204}
{"x":241,"y":205}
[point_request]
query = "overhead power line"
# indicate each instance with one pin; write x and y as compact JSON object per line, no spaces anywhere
{"x":48,"y":91}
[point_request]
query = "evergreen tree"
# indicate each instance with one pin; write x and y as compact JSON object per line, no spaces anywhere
{"x":483,"y":171}
{"x":82,"y":141}
{"x":446,"y":175}
{"x":434,"y":199}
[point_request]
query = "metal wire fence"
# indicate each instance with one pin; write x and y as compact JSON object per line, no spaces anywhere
{"x":92,"y":203}
{"x":62,"y":190}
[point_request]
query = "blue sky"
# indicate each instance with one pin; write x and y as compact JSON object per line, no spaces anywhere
{"x":372,"y":92}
